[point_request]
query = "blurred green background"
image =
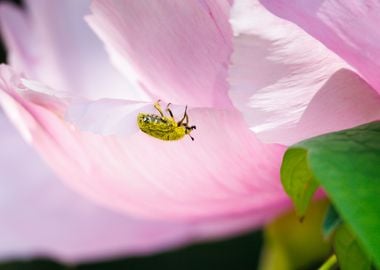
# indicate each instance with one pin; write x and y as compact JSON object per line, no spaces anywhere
{"x":238,"y":253}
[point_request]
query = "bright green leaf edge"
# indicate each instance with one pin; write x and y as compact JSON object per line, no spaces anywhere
{"x":347,"y":165}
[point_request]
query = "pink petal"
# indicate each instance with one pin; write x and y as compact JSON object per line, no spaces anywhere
{"x":349,"y":28}
{"x":41,"y":217}
{"x":50,"y":42}
{"x":225,"y":173}
{"x":106,"y":117}
{"x":288,"y":85}
{"x":178,"y":49}
{"x":111,"y":116}
{"x":345,"y":101}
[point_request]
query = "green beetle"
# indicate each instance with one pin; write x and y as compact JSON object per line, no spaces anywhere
{"x":164,"y":127}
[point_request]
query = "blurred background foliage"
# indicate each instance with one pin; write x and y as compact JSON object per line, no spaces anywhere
{"x":238,"y":253}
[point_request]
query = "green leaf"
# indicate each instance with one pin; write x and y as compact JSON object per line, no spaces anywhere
{"x":331,"y":222}
{"x":347,"y":165}
{"x":297,"y":179}
{"x":349,"y":252}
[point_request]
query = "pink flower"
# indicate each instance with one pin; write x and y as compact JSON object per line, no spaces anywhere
{"x":80,"y":113}
{"x":51,"y":43}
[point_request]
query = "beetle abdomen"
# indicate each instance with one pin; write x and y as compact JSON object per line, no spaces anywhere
{"x":163,"y":128}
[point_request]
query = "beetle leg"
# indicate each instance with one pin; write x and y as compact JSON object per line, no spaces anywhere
{"x":158,"y":107}
{"x":191,"y":137}
{"x":184,"y":121}
{"x":189,"y":129}
{"x":169,"y":111}
{"x":185,"y":117}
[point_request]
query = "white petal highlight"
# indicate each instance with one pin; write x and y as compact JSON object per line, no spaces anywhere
{"x":276,"y":72}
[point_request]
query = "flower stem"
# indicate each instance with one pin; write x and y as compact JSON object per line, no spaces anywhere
{"x":330,"y":264}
